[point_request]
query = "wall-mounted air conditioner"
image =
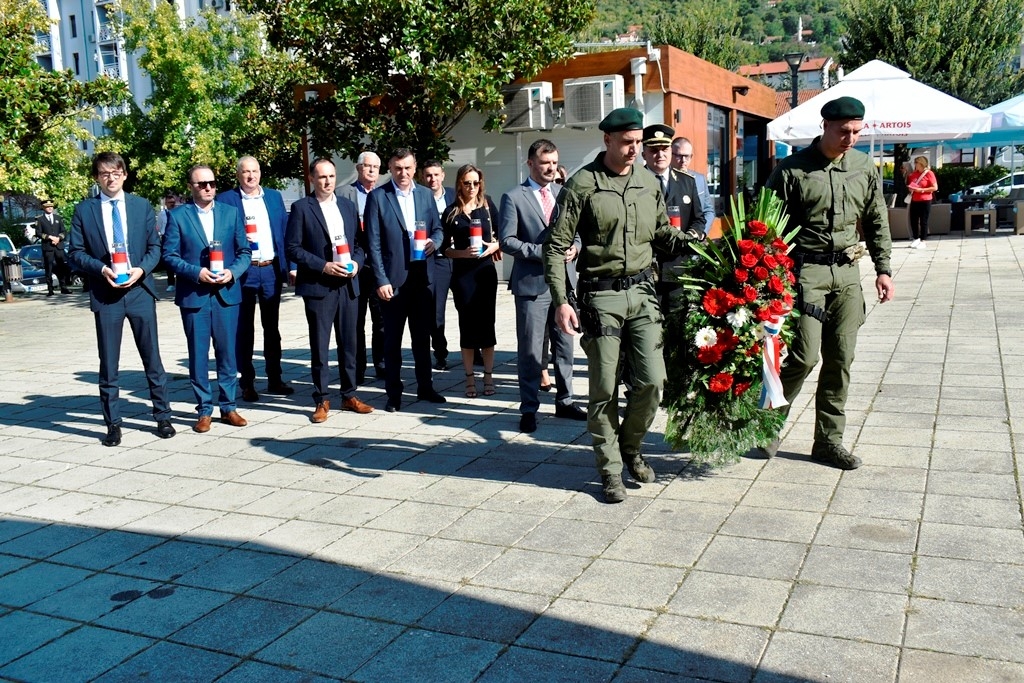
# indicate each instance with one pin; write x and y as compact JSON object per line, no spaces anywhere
{"x":527,"y":107}
{"x":588,"y":100}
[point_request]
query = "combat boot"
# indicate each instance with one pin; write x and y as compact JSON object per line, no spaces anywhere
{"x":614,"y":489}
{"x":835,"y":455}
{"x":638,"y":468}
{"x":768,"y":452}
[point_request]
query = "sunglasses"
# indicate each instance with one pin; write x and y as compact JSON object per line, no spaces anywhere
{"x":471,"y":183}
{"x":205,"y":184}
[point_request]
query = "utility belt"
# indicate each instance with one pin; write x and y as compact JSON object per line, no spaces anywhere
{"x":615,"y":284}
{"x":833,"y":258}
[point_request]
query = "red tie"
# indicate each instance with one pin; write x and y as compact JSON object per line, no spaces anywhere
{"x":547,"y":203}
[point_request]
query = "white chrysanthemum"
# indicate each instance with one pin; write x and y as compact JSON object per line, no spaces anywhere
{"x":706,"y":336}
{"x":759,"y":332}
{"x":692,"y":395}
{"x":738,"y":318}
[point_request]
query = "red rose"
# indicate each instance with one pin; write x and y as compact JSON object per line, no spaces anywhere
{"x":745,"y":246}
{"x":749,"y":294}
{"x":717,"y":302}
{"x":776,"y":307}
{"x":740,"y":275}
{"x":791,"y":278}
{"x":740,"y":388}
{"x":784,"y":261}
{"x":770,"y":262}
{"x":720,"y":383}
{"x":775,"y":284}
{"x":787,"y":299}
{"x":763,"y":314}
{"x":754,"y":350}
{"x":779,"y":245}
{"x":758,"y":250}
{"x":709,"y":355}
{"x":761,"y":273}
{"x":748,"y":260}
{"x":757,"y":228}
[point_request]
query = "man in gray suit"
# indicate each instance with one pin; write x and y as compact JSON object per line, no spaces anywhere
{"x":526,"y":212}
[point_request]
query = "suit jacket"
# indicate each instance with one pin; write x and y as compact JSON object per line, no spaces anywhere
{"x":186,"y":252}
{"x":89,"y":251}
{"x":278,"y":220}
{"x":682,"y":192}
{"x":390,"y":244}
{"x":704,"y":194}
{"x":522,"y":232}
{"x":308,"y":245}
{"x":44,"y":229}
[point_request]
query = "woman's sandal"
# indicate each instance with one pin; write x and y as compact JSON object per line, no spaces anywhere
{"x":471,"y":385}
{"x":488,"y":384}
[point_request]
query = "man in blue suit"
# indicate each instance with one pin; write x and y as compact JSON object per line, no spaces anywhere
{"x":118,"y":217}
{"x":433,"y":178}
{"x":318,"y":226}
{"x":404,"y":285}
{"x":265,"y":219}
{"x":208,"y":298}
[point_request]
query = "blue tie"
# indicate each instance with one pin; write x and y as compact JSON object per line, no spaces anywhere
{"x":115,"y":221}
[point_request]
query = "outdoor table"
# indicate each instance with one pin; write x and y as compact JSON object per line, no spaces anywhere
{"x":971,"y":213}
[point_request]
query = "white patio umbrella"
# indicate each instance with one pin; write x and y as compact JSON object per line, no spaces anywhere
{"x":896,"y":108}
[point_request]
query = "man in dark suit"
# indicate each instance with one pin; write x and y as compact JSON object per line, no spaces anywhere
{"x":682,"y":158}
{"x":118,"y":217}
{"x":526,"y":213}
{"x":50,"y":228}
{"x":404,"y":285}
{"x":208,"y":293}
{"x":680,"y":191}
{"x":265,"y":219}
{"x":367,"y":173}
{"x":320,"y":227}
{"x":433,"y":178}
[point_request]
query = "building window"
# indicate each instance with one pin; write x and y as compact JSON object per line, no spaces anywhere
{"x":74,"y":57}
{"x":73,"y":24}
{"x":718,"y":131}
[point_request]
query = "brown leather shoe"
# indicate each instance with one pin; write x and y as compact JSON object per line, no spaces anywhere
{"x":356,"y":406}
{"x":320,"y":414}
{"x":203,"y":424}
{"x":233,"y":418}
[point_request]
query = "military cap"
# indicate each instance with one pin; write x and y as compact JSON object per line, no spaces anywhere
{"x":47,"y":203}
{"x":843,"y":108}
{"x":658,"y":135}
{"x":622,"y":119}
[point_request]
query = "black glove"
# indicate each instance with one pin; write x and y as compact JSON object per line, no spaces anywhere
{"x":694,"y":235}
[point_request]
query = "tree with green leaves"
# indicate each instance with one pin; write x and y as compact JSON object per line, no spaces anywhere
{"x":406,"y":72}
{"x":709,"y":29}
{"x":218,"y":93}
{"x":963,"y":47}
{"x":40,"y":110}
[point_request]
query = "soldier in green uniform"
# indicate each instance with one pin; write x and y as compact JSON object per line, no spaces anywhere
{"x":620,"y":215}
{"x":827,"y":188}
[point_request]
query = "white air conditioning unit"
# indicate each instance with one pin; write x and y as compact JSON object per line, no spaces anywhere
{"x":527,"y":107}
{"x":588,"y":100}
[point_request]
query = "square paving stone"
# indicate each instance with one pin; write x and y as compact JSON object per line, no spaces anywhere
{"x":417,"y":518}
{"x":77,"y":656}
{"x":960,"y":460}
{"x":802,"y":657}
{"x":169,"y":561}
{"x":711,"y":489}
{"x":852,"y":531}
{"x":868,"y":570}
{"x":23,"y":632}
{"x":752,"y":557}
{"x":167,"y":661}
{"x":530,"y":571}
{"x":972,"y":630}
{"x":971,"y":543}
{"x":330,"y":644}
{"x":846,"y":613}
{"x":966,"y":581}
{"x":370,"y":549}
{"x":446,"y":560}
{"x":972,"y":511}
{"x":684,"y":515}
{"x":429,"y":656}
{"x":910,"y":479}
{"x":520,"y":664}
{"x":588,"y":538}
{"x":588,"y":629}
{"x":877,"y":503}
{"x":591,"y":508}
{"x":257,"y":672}
{"x":296,"y":537}
{"x":665,"y":547}
{"x":394,"y":597}
{"x":489,"y":526}
{"x":13,"y":528}
{"x":917,"y":666}
{"x":310,"y":583}
{"x":626,"y":583}
{"x":519,"y":498}
{"x":107,"y":549}
{"x":160,"y":612}
{"x":699,"y":648}
{"x":242,"y":626}
{"x":37,"y":581}
{"x":10,"y":564}
{"x":788,"y":496}
{"x":485,"y":613}
{"x":771,"y":524}
{"x":727,"y":597}
{"x":97,"y":595}
{"x":974,"y":484}
{"x":237,"y":571}
{"x":48,"y":540}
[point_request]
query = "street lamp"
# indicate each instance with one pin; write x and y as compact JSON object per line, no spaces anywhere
{"x":794,"y":59}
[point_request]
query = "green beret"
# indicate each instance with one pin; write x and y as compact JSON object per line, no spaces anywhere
{"x":658,"y":135}
{"x":843,"y":108}
{"x":622,"y":119}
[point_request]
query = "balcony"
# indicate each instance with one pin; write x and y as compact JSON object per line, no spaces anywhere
{"x":107,"y":113}
{"x":106,"y":34}
{"x":114,"y":71}
{"x":43,"y":45}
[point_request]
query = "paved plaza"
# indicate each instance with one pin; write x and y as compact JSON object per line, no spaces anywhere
{"x":439,"y":544}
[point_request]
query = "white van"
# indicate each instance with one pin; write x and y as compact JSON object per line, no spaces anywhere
{"x":1002,"y":185}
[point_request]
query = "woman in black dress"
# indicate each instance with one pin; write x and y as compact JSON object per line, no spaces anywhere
{"x":474,"y":277}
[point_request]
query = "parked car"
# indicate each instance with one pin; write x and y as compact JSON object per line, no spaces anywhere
{"x":1001,"y":186}
{"x":33,"y":277}
{"x":34,"y":253}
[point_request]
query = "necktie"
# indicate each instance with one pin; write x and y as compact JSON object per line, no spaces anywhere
{"x":547,"y":202}
{"x":664,"y":184}
{"x":115,"y":222}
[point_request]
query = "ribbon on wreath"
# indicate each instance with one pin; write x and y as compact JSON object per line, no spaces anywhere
{"x":772,"y":395}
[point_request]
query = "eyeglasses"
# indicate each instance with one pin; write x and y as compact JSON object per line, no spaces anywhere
{"x":682,"y":156}
{"x":470,"y":183}
{"x":205,"y":184}
{"x":110,"y":174}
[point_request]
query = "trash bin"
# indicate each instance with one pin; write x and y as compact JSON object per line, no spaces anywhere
{"x":11,"y":265}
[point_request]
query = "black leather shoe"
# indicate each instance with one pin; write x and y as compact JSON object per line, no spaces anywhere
{"x":431,"y":397}
{"x":441,"y":364}
{"x":571,"y":412}
{"x":528,"y":423}
{"x":279,"y":389}
{"x":250,"y":395}
{"x":113,"y":436}
{"x":393,"y":406}
{"x":164,"y":429}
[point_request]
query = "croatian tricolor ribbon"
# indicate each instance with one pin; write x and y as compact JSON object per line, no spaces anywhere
{"x":772,"y":395}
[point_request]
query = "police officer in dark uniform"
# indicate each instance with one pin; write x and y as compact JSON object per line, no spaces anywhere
{"x":827,"y":188}
{"x":50,"y":228}
{"x":619,"y":212}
